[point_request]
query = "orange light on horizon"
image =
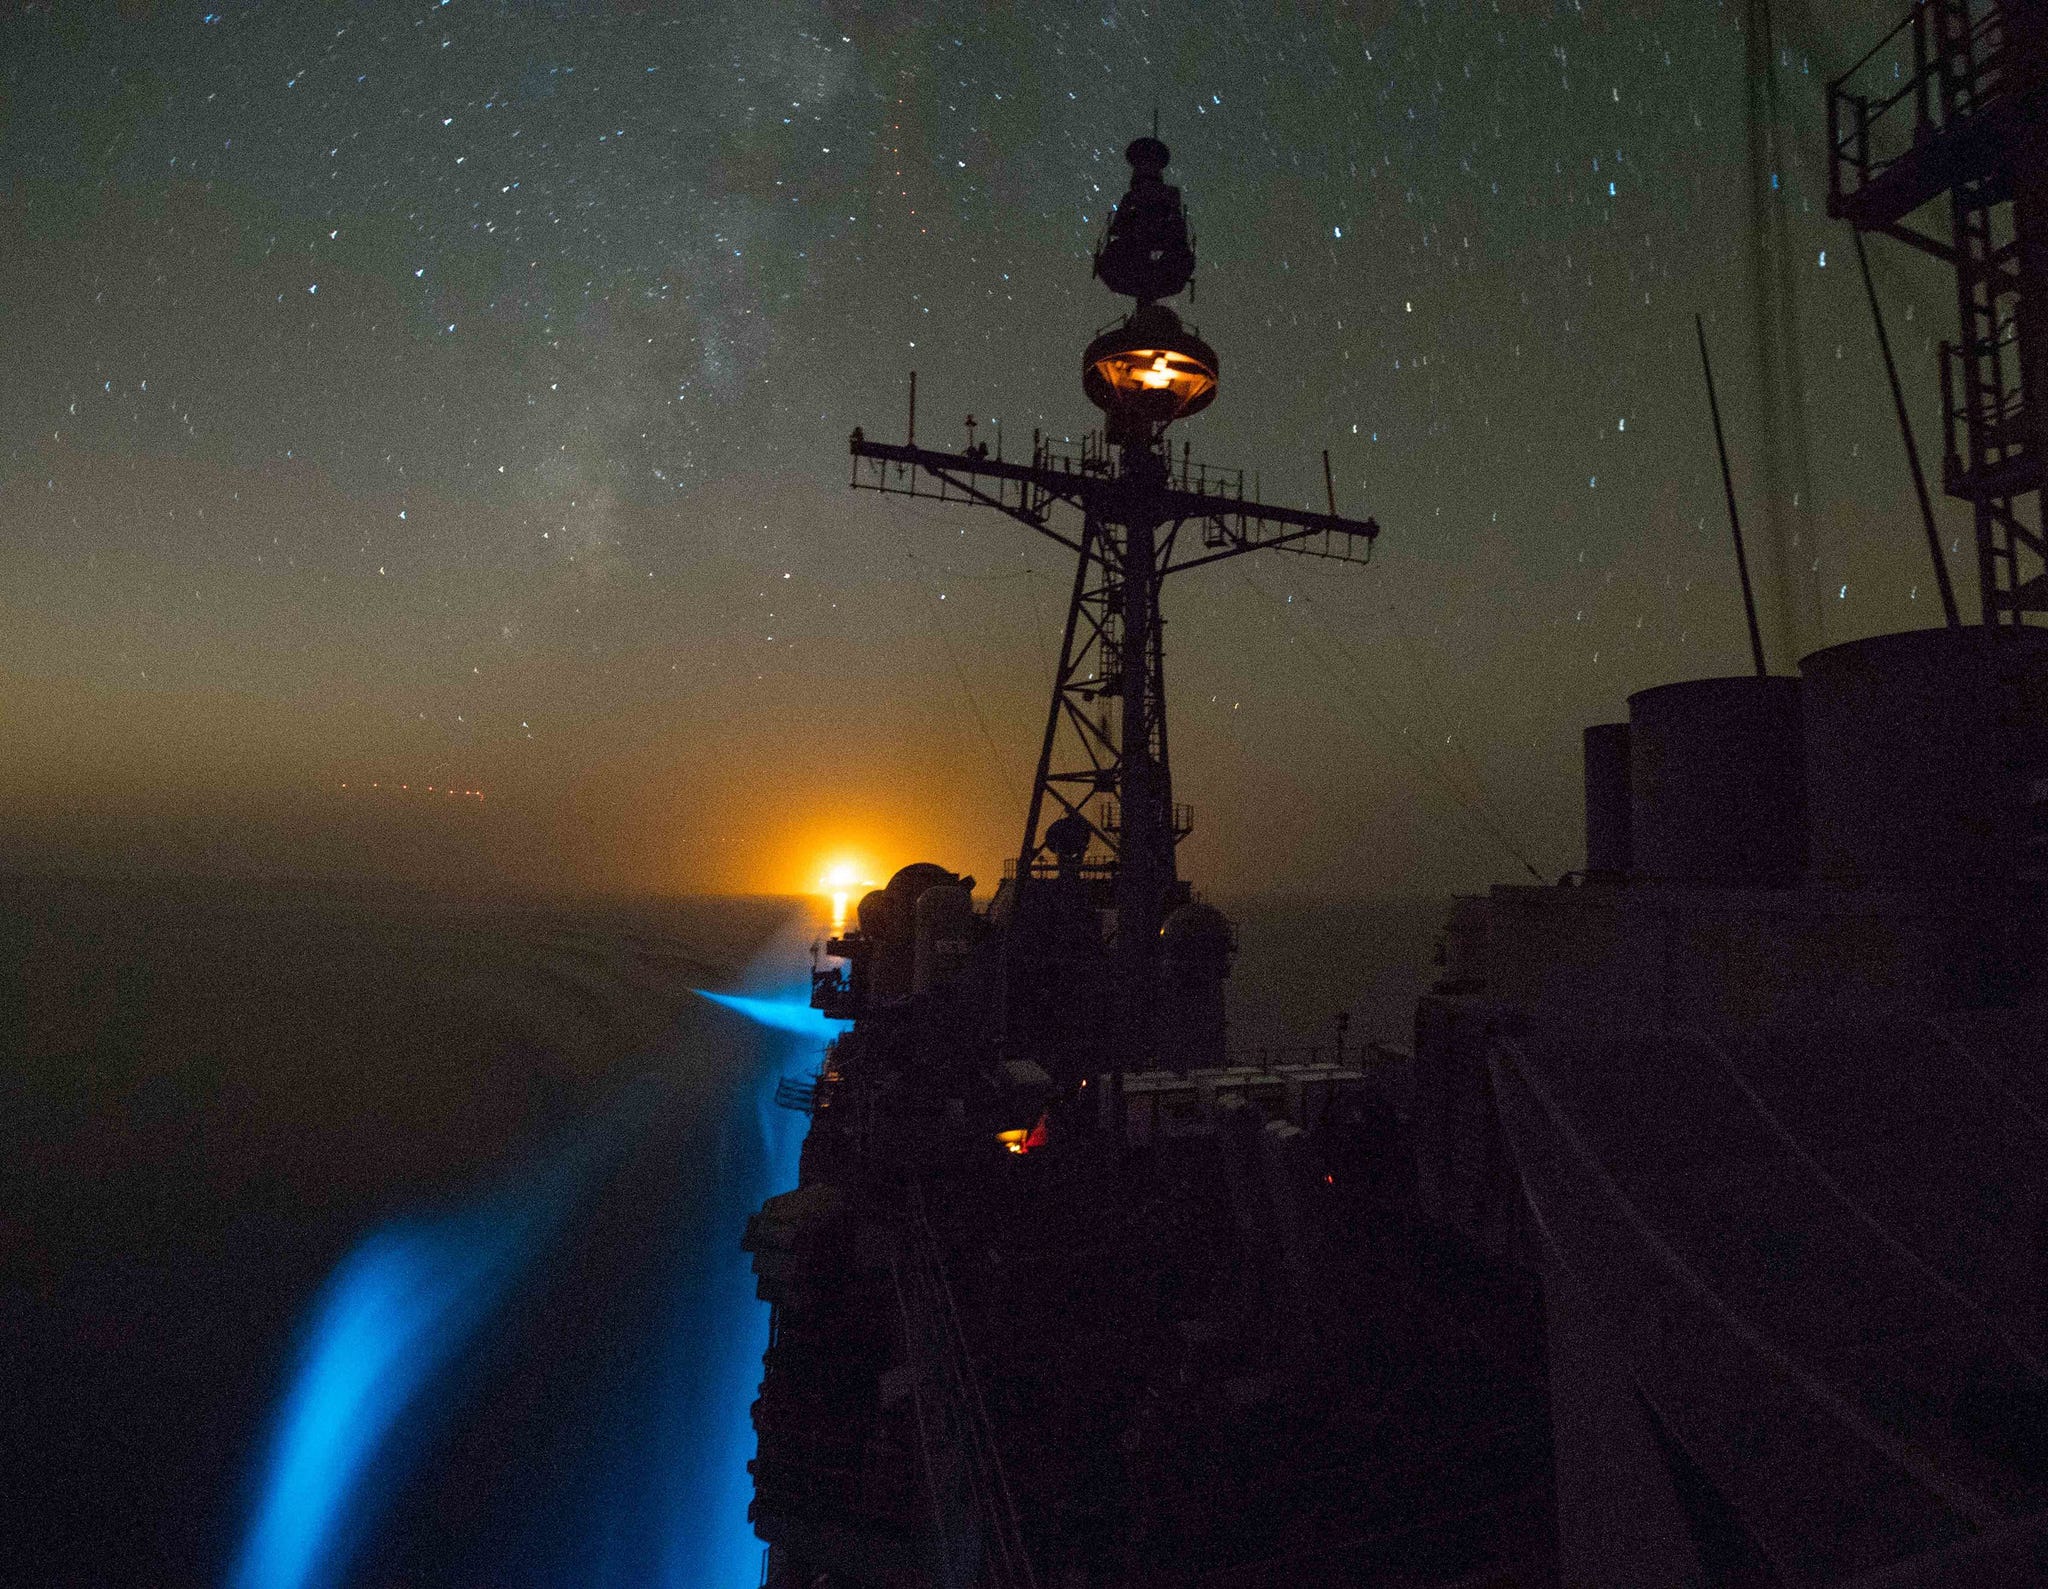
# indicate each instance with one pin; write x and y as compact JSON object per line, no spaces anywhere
{"x":838,"y":884}
{"x":447,"y":790}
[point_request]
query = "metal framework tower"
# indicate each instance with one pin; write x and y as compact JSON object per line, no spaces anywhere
{"x":1102,"y":802}
{"x":1953,"y":104}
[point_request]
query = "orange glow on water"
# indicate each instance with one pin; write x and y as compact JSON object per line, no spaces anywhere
{"x":838,"y":884}
{"x":843,"y":844}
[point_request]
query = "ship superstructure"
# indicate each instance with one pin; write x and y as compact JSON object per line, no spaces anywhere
{"x":1701,"y":1237}
{"x":1062,"y":1297}
{"x":1763,"y":1093}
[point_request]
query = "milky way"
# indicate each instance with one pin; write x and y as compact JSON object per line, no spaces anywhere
{"x":457,"y":395}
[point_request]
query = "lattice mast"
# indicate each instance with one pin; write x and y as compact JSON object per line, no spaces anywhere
{"x":1102,"y":801}
{"x":1949,"y":108}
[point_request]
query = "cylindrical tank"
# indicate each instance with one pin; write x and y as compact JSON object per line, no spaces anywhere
{"x":890,"y":918}
{"x":1924,"y":752}
{"x":945,"y":934}
{"x":1462,"y":950}
{"x":872,"y":914}
{"x":1607,"y":801}
{"x":1068,"y":838}
{"x":1196,"y":946}
{"x":1717,"y":783}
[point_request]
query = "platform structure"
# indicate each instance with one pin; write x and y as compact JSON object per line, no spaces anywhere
{"x":1203,"y":517}
{"x":1949,"y":108}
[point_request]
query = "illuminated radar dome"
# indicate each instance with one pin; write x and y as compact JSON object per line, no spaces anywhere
{"x":1150,"y":370}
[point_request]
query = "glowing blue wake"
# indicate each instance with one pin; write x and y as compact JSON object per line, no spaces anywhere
{"x":399,"y":1314}
{"x":720,"y":1327}
{"x":788,"y":1013}
{"x":393,"y":1315}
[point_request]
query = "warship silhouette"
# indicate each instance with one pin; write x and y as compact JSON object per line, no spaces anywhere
{"x":1701,"y":1236}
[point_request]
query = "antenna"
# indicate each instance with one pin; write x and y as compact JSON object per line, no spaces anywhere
{"x":911,"y":439}
{"x":1891,"y":374}
{"x":1756,"y":640}
{"x":1781,"y":473}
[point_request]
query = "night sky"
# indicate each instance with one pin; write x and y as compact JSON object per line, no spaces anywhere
{"x":456,"y":394}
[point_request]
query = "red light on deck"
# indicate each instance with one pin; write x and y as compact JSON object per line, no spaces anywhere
{"x":1024,"y":1141}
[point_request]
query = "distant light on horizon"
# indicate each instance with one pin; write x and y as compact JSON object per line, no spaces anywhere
{"x":357,"y":786}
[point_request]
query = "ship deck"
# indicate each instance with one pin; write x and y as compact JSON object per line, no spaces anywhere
{"x":1159,"y":1365}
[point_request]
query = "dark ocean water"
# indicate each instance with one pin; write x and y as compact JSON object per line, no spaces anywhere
{"x":376,"y":1238}
{"x":372,"y":1238}
{"x":1302,"y":962}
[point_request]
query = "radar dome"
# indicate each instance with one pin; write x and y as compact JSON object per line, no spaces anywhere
{"x":1198,"y":929}
{"x":1068,"y":837}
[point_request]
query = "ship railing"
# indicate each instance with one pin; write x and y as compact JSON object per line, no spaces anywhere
{"x":802,"y":1096}
{"x":1183,"y":819}
{"x":1370,"y":1056}
{"x":938,"y":1453}
{"x":1098,"y":869}
{"x":1986,"y":441}
{"x":1946,"y":62}
{"x":832,"y":994}
{"x":1266,"y":1057}
{"x":932,"y":1328}
{"x":1097,"y":457}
